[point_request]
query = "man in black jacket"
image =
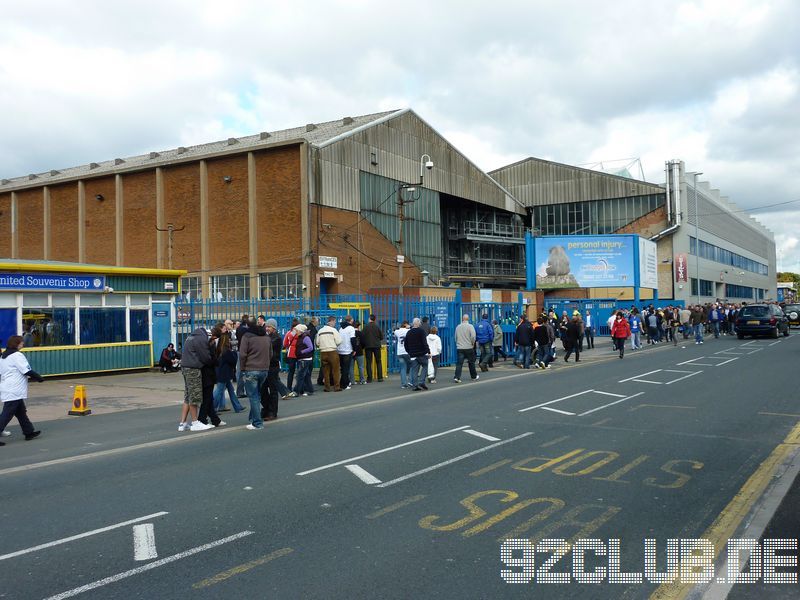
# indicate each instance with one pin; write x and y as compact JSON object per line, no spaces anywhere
{"x":273,"y":388}
{"x":372,"y":338}
{"x":196,"y":354}
{"x":542,"y":338}
{"x":523,"y":340}
{"x":416,"y":344}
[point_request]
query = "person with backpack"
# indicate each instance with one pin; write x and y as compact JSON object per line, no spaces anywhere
{"x":484,"y":334}
{"x":523,"y":340}
{"x":635,"y":327}
{"x":305,"y":361}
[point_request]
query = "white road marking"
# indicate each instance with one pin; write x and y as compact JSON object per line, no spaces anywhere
{"x":725,"y":362}
{"x":81,"y":535}
{"x":555,"y":410}
{"x":148,"y":567}
{"x":648,"y":381}
{"x":491,"y":438}
{"x":588,"y":412}
{"x":362,"y":474}
{"x":144,"y":542}
{"x":773,"y":343}
{"x":684,"y":377}
{"x":756,"y":350}
{"x":686,"y":362}
{"x":637,"y":376}
{"x":347,"y":460}
{"x":609,"y":394}
{"x":557,"y":400}
{"x":451,"y":461}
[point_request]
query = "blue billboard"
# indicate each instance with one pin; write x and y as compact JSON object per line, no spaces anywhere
{"x":585,"y":261}
{"x":51,"y":282}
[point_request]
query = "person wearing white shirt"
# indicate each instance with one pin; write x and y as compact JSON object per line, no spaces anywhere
{"x":588,"y":329}
{"x":345,"y":350}
{"x":435,"y":345}
{"x":402,"y":356}
{"x":14,"y":374}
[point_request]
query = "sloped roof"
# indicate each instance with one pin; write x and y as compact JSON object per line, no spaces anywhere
{"x":313,"y":133}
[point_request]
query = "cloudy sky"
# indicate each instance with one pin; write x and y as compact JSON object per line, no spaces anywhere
{"x":715,"y":83}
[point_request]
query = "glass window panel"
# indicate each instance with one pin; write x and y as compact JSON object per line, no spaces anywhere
{"x":230,"y":287}
{"x":140,"y":325}
{"x":63,"y":299}
{"x":35,"y":300}
{"x":90,"y":299}
{"x":48,"y":327}
{"x":102,"y":325}
{"x":116,"y":300}
{"x":190,"y":288}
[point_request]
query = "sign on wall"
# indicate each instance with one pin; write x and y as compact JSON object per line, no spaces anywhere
{"x":648,"y":264}
{"x":51,"y":282}
{"x":584,"y":261}
{"x":328,"y":262}
{"x":681,"y":271}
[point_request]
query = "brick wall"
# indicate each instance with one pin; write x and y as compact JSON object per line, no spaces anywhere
{"x":278,"y":180}
{"x":31,"y":223}
{"x":139,"y":219}
{"x":228,"y":244}
{"x":5,"y":225}
{"x":366,"y":257}
{"x":64,"y":222}
{"x":182,"y":209}
{"x":101,"y":247}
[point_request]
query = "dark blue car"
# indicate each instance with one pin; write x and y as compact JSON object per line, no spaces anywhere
{"x":761,"y":319}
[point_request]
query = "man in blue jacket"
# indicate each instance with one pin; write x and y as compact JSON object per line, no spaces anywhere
{"x":484,"y":334}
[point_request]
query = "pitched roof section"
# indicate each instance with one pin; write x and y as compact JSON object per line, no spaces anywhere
{"x":536,"y":182}
{"x":313,"y":133}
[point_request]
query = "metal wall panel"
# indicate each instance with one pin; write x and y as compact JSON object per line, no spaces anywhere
{"x":85,"y":359}
{"x":719,"y":221}
{"x":422,"y":225}
{"x":399,"y":143}
{"x":536,"y":182}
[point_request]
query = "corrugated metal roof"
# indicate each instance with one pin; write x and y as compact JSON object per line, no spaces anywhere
{"x":313,"y":133}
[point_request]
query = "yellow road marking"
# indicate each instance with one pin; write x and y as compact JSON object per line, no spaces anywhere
{"x":659,"y":406}
{"x":219,"y":577}
{"x":393,"y":507}
{"x":491,"y":467}
{"x":728,"y":521}
{"x":554,"y":442}
{"x":771,"y":414}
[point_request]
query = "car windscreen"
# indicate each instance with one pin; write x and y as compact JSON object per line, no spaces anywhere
{"x":755,"y":311}
{"x":791,"y":308}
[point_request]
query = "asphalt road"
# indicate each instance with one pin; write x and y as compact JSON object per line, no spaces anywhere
{"x":381,"y":493}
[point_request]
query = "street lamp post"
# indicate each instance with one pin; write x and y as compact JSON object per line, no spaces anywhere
{"x":425,"y":163}
{"x":696,"y":235}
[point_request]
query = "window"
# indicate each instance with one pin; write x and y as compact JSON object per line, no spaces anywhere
{"x":738,"y":291}
{"x":102,"y":325}
{"x":726,"y":257}
{"x":230,"y":287}
{"x":190,"y":288}
{"x":286,"y":284}
{"x":593,"y":217}
{"x":48,"y":327}
{"x":706,"y":287}
{"x":140,"y":325}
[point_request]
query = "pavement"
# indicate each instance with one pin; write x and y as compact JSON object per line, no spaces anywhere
{"x":381,"y":492}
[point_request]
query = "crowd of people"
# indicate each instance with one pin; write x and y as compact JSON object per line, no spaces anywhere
{"x":243,"y":359}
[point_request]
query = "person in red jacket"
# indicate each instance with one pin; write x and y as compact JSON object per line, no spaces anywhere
{"x":620,"y":331}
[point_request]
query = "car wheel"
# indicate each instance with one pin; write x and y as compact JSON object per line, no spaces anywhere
{"x":774,"y":335}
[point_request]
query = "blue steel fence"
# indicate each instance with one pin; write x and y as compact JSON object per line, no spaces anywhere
{"x":602,"y":309}
{"x":390,"y":312}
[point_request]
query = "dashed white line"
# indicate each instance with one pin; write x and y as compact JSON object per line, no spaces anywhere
{"x":81,"y":535}
{"x":686,"y":362}
{"x":144,"y":542}
{"x":362,"y":474}
{"x":148,"y":567}
{"x":452,"y":460}
{"x":491,"y":438}
{"x":347,"y":460}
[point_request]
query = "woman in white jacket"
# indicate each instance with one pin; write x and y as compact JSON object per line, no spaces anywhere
{"x":435,"y":345}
